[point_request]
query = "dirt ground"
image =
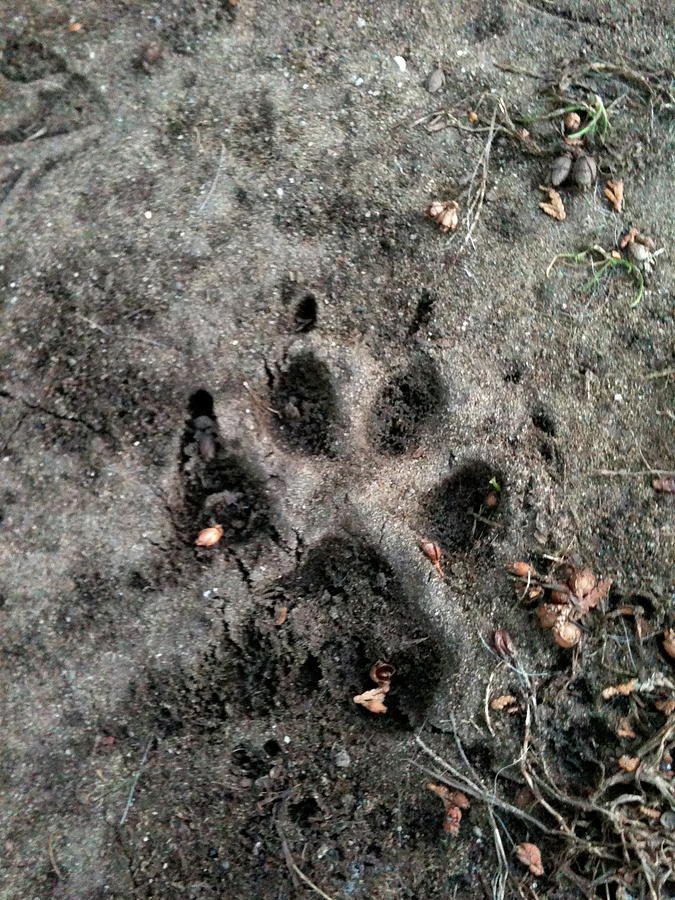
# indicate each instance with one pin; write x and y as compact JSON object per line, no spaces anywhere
{"x":217,"y":210}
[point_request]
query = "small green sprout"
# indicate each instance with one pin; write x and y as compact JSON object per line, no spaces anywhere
{"x":598,"y":121}
{"x":493,"y":483}
{"x":601,"y":262}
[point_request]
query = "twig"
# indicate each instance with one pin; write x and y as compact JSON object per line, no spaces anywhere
{"x":215,"y":179}
{"x":136,"y":777}
{"x":664,"y":373}
{"x":461,"y":782}
{"x":628,"y":472}
{"x":52,"y":859}
{"x":290,"y":862}
{"x":476,"y":200}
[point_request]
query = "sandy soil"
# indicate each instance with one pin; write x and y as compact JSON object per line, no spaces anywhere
{"x":218,"y":211}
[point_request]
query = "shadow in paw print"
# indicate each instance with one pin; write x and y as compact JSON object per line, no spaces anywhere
{"x":306,"y":314}
{"x":461,"y":509}
{"x":304,"y":397}
{"x":405,"y":406}
{"x":346,"y":609}
{"x":26,"y":60}
{"x":220,"y":485}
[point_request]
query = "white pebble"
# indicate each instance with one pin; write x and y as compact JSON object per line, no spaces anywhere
{"x":401,"y":63}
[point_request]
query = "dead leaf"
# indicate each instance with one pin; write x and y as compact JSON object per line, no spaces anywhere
{"x":615,"y":689}
{"x":373,"y":700}
{"x":614,"y":193}
{"x":209,"y":536}
{"x":667,"y":707}
{"x":554,"y":207}
{"x":628,"y":763}
{"x":281,"y":616}
{"x":530,"y":855}
{"x":502,"y":702}
{"x":666,"y":485}
{"x":503,"y":643}
{"x":625,"y":730}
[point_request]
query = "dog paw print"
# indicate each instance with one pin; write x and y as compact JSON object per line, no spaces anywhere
{"x":324,"y":481}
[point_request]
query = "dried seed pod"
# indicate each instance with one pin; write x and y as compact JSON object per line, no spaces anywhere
{"x":436,"y":80}
{"x":209,"y":536}
{"x":584,"y":171}
{"x":548,"y":614}
{"x":381,"y":673}
{"x":560,"y":169}
{"x":582,"y":582}
{"x":566,"y":634}
{"x":529,"y":855}
{"x":638,"y":252}
{"x":572,"y":121}
{"x":434,"y":554}
{"x":560,"y":597}
{"x":503,"y":643}
{"x":628,"y":763}
{"x":446,"y":214}
{"x":521,"y":569}
{"x":373,"y":700}
{"x":669,"y":642}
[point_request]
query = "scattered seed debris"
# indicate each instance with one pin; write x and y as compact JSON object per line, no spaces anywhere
{"x":553,"y":206}
{"x":454,"y":802}
{"x":530,"y":855}
{"x":502,"y":702}
{"x":560,"y":170}
{"x":381,"y":673}
{"x":209,"y":536}
{"x":445,"y":214}
{"x":503,"y":643}
{"x":436,"y":80}
{"x":434,"y":554}
{"x":622,"y":690}
{"x":614,"y":193}
{"x":669,"y":642}
{"x":665,"y":485}
{"x":628,"y":763}
{"x":625,"y":729}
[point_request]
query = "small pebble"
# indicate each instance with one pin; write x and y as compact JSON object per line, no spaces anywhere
{"x":401,"y":63}
{"x":342,"y":759}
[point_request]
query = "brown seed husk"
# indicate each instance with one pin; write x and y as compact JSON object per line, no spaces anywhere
{"x":628,"y":763}
{"x":669,"y":643}
{"x":530,"y":855}
{"x":209,"y":536}
{"x":566,"y":634}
